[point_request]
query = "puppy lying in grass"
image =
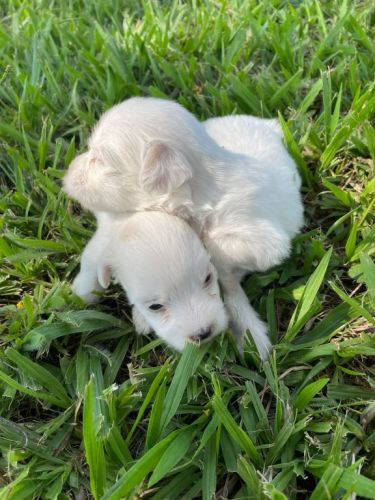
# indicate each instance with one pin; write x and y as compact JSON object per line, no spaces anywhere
{"x":165,"y":270}
{"x":230,"y":177}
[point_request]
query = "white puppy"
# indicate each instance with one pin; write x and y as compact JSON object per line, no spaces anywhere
{"x":230,"y":177}
{"x":165,"y":270}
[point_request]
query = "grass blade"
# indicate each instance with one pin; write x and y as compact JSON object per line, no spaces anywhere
{"x":189,"y":361}
{"x":172,"y":455}
{"x":93,"y":445}
{"x":234,"y":430}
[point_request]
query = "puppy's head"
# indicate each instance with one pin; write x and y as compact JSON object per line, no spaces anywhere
{"x":139,"y":149}
{"x":167,"y":275}
{"x":95,"y":183}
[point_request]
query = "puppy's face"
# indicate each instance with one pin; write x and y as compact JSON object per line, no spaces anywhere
{"x":167,"y":274}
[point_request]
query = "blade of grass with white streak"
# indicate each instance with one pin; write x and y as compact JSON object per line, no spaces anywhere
{"x":93,"y":446}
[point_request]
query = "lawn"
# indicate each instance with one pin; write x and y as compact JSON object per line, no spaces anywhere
{"x":90,"y":409}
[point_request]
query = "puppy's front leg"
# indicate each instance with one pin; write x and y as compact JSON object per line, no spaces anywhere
{"x":243,"y":317}
{"x":86,"y":283}
{"x":231,"y":258}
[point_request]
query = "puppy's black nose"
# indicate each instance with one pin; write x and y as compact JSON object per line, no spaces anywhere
{"x":204,"y":333}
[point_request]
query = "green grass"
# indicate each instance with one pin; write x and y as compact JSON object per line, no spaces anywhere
{"x":90,"y":409}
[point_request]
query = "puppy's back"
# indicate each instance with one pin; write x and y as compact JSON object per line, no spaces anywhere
{"x":245,"y":134}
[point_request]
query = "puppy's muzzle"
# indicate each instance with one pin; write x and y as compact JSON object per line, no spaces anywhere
{"x":203,"y":334}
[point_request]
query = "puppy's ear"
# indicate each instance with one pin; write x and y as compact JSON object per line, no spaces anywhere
{"x":104,"y":275}
{"x":164,"y":169}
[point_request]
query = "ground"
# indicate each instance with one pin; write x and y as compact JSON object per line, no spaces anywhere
{"x":90,"y":409}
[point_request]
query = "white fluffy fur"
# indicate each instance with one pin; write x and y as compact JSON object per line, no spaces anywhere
{"x":230,"y":177}
{"x":158,"y":259}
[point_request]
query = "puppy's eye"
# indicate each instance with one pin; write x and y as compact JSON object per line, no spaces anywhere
{"x":156,"y":307}
{"x":208,"y":279}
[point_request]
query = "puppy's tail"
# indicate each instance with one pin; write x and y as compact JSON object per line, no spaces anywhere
{"x":92,"y":182}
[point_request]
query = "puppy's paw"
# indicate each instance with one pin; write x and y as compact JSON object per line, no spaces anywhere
{"x":264,"y":346}
{"x":85,"y":287}
{"x":259,"y":333}
{"x":140,"y":324}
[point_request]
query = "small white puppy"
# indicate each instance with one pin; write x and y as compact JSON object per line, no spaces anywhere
{"x":166,"y":273}
{"x":230,"y":177}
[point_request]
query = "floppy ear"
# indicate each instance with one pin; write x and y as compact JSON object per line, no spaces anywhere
{"x":164,"y":169}
{"x":104,"y":275}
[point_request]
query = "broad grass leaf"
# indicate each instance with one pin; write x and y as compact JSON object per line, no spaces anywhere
{"x":38,"y":395}
{"x":39,"y":374}
{"x":82,"y":368}
{"x":344,"y":197}
{"x":303,"y":310}
{"x":155,"y":420}
{"x":55,"y":489}
{"x":283,"y":92}
{"x":20,"y":437}
{"x":279,"y":442}
{"x":335,"y":478}
{"x":327,"y":101}
{"x":334,"y":145}
{"x":138,"y":472}
{"x":94,"y":450}
{"x":154,"y":387}
{"x":368,"y":269}
{"x":361,"y":310}
{"x":230,"y":450}
{"x":177,"y":484}
{"x":116,"y":360}
{"x":310,"y":97}
{"x":51,"y":246}
{"x":234,"y":430}
{"x":258,"y":407}
{"x":244,"y":93}
{"x":207,"y":434}
{"x":71,"y":322}
{"x":295,"y":152}
{"x":175,"y":452}
{"x":356,"y":483}
{"x":20,"y":489}
{"x":328,"y":483}
{"x":187,"y":365}
{"x":304,"y":397}
{"x":118,"y":446}
{"x":248,"y":474}
{"x":370,"y":186}
{"x":351,"y":242}
{"x":209,"y":475}
{"x":325,"y":329}
{"x":343,"y":392}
